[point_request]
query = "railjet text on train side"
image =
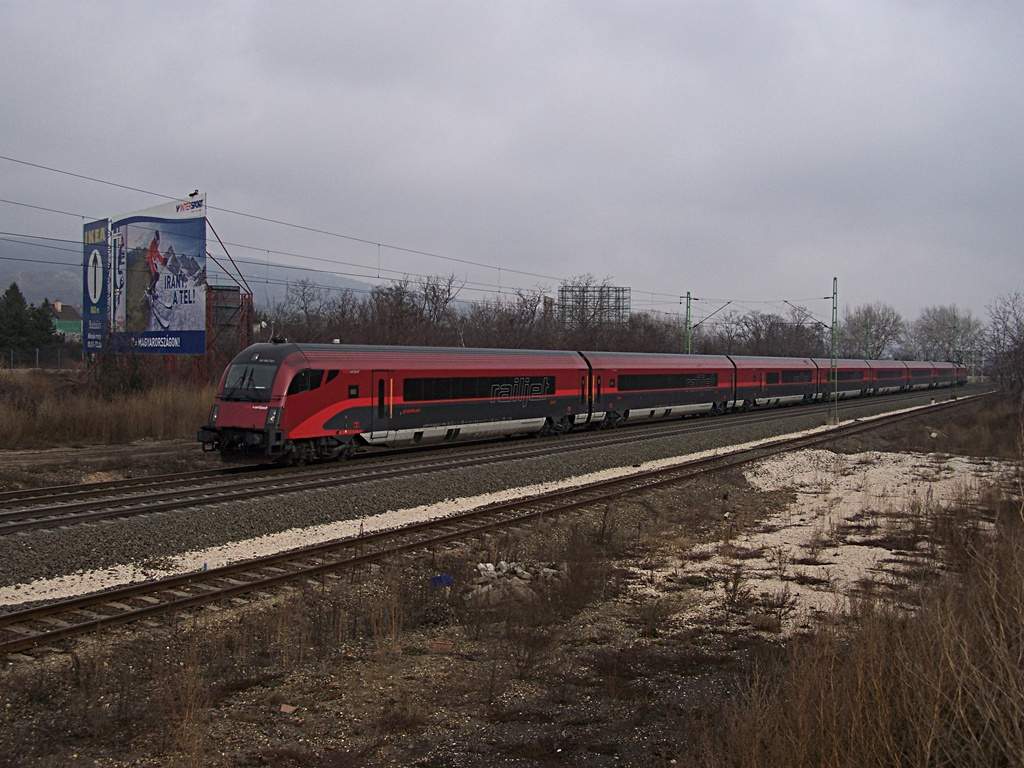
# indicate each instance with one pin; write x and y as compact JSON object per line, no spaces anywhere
{"x":522,"y":389}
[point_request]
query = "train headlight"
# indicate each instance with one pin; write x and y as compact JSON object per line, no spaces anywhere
{"x":273,"y":417}
{"x":213,"y":415}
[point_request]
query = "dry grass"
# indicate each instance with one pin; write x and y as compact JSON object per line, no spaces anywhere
{"x":938,"y":682}
{"x":41,"y":409}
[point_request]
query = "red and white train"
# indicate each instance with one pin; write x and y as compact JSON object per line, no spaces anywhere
{"x":282,"y":402}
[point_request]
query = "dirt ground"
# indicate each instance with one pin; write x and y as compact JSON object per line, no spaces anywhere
{"x":603,"y":638}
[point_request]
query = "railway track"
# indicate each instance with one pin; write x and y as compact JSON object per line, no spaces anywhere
{"x":42,"y":508}
{"x":22,"y":630}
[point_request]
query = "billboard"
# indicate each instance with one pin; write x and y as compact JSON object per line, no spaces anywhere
{"x":158,"y":279}
{"x":95,"y":287}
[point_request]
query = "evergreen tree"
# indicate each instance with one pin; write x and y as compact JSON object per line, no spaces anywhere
{"x":13,"y":318}
{"x":25,"y":327}
{"x":42,"y":329}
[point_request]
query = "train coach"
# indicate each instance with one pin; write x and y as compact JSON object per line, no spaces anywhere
{"x":296,"y":403}
{"x":302,"y":402}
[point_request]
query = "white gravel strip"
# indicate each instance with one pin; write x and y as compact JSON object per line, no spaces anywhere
{"x":832,"y":491}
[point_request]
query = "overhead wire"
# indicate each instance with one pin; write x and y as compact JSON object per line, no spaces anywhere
{"x":279,"y":222}
{"x":473,"y":286}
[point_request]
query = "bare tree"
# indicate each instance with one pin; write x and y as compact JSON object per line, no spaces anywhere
{"x":763,"y":333}
{"x":436,"y":295}
{"x":942,"y":333}
{"x":1005,"y":339}
{"x":871,"y":331}
{"x":513,"y":323}
{"x":646,"y":332}
{"x":804,"y":335}
{"x":343,"y":319}
{"x":723,"y":337}
{"x":303,"y":315}
{"x":392,"y":314}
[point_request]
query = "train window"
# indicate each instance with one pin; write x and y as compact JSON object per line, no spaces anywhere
{"x":381,"y":410}
{"x":353,"y":390}
{"x":330,"y":375}
{"x":632,"y":382}
{"x":771,"y":378}
{"x":300,"y":383}
{"x":850,"y":375}
{"x":249,"y":382}
{"x":303,"y":381}
{"x":796,"y":377}
{"x":477,"y":387}
{"x":583,"y":389}
{"x":611,"y":383}
{"x":599,"y":389}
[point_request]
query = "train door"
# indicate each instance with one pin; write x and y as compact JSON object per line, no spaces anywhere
{"x":383,"y":403}
{"x":586,"y":399}
{"x":590,"y":396}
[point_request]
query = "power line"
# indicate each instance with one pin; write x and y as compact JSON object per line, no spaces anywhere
{"x":41,"y":208}
{"x":498,"y":288}
{"x":75,"y":248}
{"x":301,"y":227}
{"x":279,"y":222}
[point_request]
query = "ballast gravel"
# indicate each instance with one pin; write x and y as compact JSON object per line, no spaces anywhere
{"x":96,"y":556}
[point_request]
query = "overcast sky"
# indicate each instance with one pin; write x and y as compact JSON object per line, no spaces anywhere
{"x":742,"y":151}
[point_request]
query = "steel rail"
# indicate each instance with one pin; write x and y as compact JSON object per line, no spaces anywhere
{"x":60,"y":620}
{"x":75,"y":505}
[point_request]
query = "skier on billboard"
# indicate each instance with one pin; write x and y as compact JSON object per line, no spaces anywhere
{"x":154,"y":261}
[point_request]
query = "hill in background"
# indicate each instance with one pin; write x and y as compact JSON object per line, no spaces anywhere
{"x":39,"y":281}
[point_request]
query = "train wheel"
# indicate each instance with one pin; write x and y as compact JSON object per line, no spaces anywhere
{"x":302,"y":454}
{"x":611,"y":420}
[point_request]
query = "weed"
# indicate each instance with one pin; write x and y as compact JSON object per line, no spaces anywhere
{"x":821,"y":538}
{"x":386,"y":615}
{"x":528,"y":644}
{"x":780,"y":559}
{"x":734,"y":586}
{"x":652,"y":612}
{"x":780,"y":603}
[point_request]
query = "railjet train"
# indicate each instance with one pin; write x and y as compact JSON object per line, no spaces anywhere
{"x":296,"y":403}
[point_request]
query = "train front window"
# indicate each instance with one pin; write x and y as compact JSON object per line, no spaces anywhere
{"x":305,"y":380}
{"x":250,"y":383}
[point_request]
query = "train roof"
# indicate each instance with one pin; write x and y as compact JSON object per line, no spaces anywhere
{"x":382,"y":357}
{"x":764,"y":361}
{"x":655,"y":360}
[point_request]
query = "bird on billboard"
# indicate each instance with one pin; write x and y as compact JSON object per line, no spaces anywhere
{"x":193,"y":194}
